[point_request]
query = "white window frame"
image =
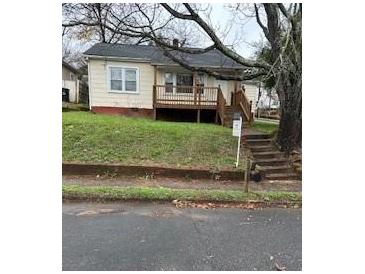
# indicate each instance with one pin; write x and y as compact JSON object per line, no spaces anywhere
{"x":123,"y":79}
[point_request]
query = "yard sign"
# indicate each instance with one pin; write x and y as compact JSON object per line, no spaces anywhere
{"x":236,"y":132}
{"x":237,"y":125}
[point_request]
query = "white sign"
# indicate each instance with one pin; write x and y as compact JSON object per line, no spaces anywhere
{"x":236,"y":131}
{"x":237,"y":125}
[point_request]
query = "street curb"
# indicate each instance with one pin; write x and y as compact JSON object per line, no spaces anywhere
{"x":258,"y":204}
{"x":119,"y":170}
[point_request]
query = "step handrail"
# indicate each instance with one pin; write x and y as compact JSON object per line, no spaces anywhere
{"x":221,"y":103}
{"x":240,"y":100}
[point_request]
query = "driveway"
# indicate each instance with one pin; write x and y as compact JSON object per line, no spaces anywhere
{"x":158,"y":236}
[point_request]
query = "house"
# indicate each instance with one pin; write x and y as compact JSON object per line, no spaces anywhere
{"x":268,"y":100}
{"x":77,"y":88}
{"x":140,"y":80}
{"x":268,"y":104}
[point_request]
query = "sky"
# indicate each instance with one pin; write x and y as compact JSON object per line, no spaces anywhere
{"x":250,"y":32}
{"x":242,"y":35}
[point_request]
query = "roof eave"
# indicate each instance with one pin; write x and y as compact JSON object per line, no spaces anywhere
{"x":118,"y":58}
{"x":69,"y":67}
{"x":213,"y":67}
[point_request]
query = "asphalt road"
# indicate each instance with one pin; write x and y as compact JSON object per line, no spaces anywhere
{"x":153,"y":236}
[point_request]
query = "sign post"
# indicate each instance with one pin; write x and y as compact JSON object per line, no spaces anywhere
{"x":236,"y":131}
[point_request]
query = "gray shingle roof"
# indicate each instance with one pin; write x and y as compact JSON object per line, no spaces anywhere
{"x":213,"y":58}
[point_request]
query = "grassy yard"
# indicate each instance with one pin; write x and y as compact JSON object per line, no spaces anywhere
{"x":90,"y":138}
{"x":265,"y":127}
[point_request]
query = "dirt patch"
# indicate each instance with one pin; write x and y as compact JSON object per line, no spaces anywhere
{"x":153,"y":171}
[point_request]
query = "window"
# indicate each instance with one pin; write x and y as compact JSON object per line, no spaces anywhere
{"x":185,"y":80}
{"x":169,"y":82}
{"x":131,"y":80}
{"x":123,"y":79}
{"x":116,"y":78}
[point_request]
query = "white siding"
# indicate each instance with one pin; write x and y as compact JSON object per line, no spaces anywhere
{"x":252,"y":92}
{"x":227,"y":88}
{"x":68,"y":74}
{"x":73,"y":89}
{"x":100,"y":96}
{"x":160,"y":77}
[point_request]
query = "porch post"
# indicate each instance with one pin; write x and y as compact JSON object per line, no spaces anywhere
{"x":154,"y":101}
{"x":194,"y":87}
{"x":198,"y":116}
{"x":154,"y":91}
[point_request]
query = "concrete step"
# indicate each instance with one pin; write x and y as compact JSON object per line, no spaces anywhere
{"x":282,"y":176}
{"x":268,"y":154}
{"x":271,"y":162}
{"x":262,"y":136}
{"x":258,"y":142}
{"x":276,"y":169}
{"x":263,"y":148}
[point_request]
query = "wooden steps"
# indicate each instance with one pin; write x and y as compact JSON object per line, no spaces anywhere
{"x":228,"y":116}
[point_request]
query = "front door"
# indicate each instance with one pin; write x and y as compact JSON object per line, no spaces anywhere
{"x":184,"y":83}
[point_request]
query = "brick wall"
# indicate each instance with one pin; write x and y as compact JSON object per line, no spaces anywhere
{"x":134,"y":112}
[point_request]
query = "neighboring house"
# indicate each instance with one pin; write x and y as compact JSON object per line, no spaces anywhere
{"x":69,"y":81}
{"x":268,"y":104}
{"x":78,"y":90}
{"x":141,"y":80}
{"x":268,"y":100}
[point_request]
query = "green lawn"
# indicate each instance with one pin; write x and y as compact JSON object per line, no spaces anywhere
{"x":265,"y":127}
{"x":162,"y":193}
{"x":96,"y":138}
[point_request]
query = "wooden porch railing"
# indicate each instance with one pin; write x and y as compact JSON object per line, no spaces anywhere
{"x":221,"y":103}
{"x":241,"y":101}
{"x":180,"y":96}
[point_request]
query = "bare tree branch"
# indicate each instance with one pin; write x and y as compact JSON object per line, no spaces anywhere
{"x":217,"y":42}
{"x":264,"y":29}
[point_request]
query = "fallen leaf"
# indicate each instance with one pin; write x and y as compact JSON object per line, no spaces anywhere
{"x":280,"y":268}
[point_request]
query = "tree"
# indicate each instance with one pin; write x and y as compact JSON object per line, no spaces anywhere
{"x":281,"y":26}
{"x":87,"y":21}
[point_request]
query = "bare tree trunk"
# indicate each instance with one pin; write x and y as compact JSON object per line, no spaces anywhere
{"x":290,"y":128}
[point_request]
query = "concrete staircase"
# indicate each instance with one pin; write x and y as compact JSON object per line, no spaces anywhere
{"x":272,"y":163}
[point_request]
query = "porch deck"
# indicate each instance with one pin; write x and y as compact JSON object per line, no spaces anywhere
{"x":185,"y":97}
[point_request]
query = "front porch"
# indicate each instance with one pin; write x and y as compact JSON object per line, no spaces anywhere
{"x":176,"y":88}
